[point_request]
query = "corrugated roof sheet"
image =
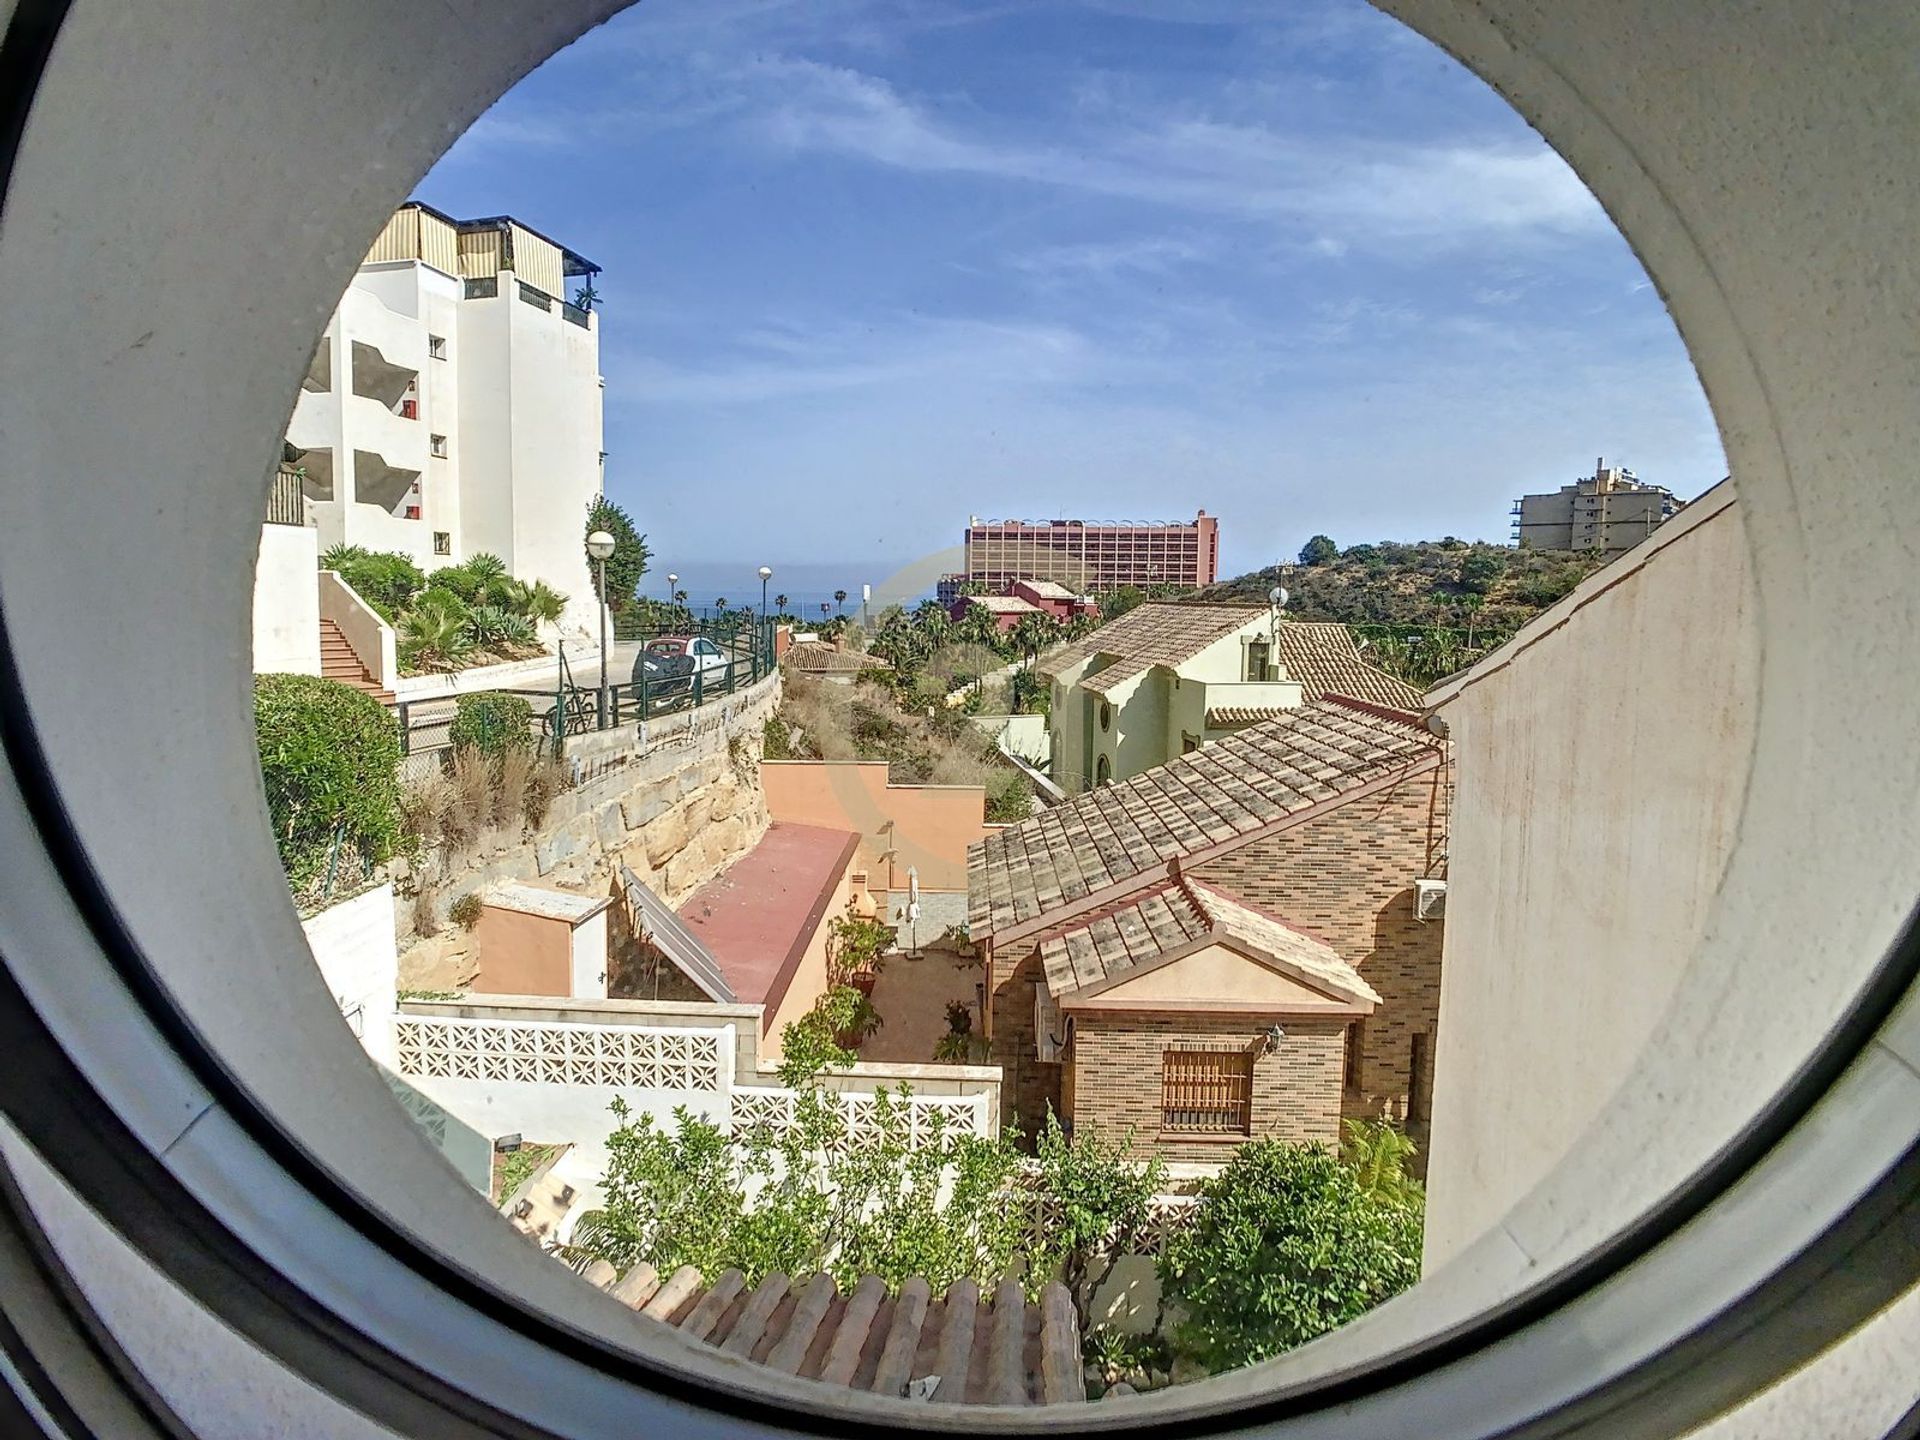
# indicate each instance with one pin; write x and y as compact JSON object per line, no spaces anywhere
{"x":1230,"y":788}
{"x":1154,"y":634}
{"x":652,"y":920}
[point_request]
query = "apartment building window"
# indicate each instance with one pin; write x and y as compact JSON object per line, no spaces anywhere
{"x":438,"y":443}
{"x":1256,"y":660}
{"x":442,"y":542}
{"x":436,"y":347}
{"x":1206,"y":1092}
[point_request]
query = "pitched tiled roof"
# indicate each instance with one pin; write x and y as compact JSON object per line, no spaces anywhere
{"x":1051,"y":589}
{"x":1173,"y":915}
{"x":1229,"y":789}
{"x":1154,"y":634}
{"x":1324,"y":659}
{"x":1004,"y":604}
{"x":815,"y":657}
{"x":960,"y":1348}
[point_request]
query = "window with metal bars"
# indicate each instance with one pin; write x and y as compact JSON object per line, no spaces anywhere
{"x":1206,"y":1092}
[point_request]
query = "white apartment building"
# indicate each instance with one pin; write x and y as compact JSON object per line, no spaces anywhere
{"x":454,"y":403}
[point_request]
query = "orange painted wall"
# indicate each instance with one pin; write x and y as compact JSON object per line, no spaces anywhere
{"x":522,"y":954}
{"x":933,"y":824}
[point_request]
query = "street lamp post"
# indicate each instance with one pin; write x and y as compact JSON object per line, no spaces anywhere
{"x":760,"y":641}
{"x":673,"y":587}
{"x":600,"y":547}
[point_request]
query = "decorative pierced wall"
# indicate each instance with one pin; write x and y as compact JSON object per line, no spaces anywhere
{"x":928,"y":1116}
{"x":629,"y":1057}
{"x":1166,"y":1214}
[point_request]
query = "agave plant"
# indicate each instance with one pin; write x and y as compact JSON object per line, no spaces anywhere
{"x":432,"y":637}
{"x":544,"y":603}
{"x":484,"y":566}
{"x":506,"y":592}
{"x":488,"y":624}
{"x":518,"y":630}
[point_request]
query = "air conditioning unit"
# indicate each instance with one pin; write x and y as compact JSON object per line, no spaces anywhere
{"x":1430,"y":900}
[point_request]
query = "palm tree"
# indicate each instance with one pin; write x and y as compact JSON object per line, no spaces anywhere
{"x":720,"y":602}
{"x":679,"y":597}
{"x":839,"y":597}
{"x":544,"y":603}
{"x":780,"y":603}
{"x":1034,"y":633}
{"x":1378,"y":1154}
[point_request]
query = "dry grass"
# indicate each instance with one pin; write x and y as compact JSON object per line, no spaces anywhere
{"x":470,"y":798}
{"x":425,"y":922}
{"x":546,"y":780}
{"x":512,"y":772}
{"x":423,"y":808}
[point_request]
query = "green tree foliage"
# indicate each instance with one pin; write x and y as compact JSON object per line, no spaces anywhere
{"x":818,"y":1197}
{"x":1098,"y":1196}
{"x":1481,"y":571}
{"x":1378,"y":1154}
{"x":1320,"y":550}
{"x":630,"y":553}
{"x":329,"y":756}
{"x":492,"y":723}
{"x":387,"y":582}
{"x":1009,"y":796}
{"x":1284,"y":1245}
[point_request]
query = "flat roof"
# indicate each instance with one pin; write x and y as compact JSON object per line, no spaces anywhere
{"x":572,"y":262}
{"x":547,"y":904}
{"x":756,"y":918}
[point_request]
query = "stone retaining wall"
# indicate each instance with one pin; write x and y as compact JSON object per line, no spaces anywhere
{"x":677,"y":800}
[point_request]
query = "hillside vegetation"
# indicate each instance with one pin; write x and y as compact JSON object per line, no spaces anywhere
{"x":1424,"y":609}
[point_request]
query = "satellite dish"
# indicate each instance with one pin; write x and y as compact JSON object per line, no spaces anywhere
{"x":1277,"y":597}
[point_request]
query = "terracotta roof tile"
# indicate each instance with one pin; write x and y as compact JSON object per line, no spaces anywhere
{"x":1152,"y":634}
{"x":1230,"y":788}
{"x":816,"y":657}
{"x":1108,"y":945}
{"x":1324,"y":659}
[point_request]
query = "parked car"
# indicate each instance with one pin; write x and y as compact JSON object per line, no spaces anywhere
{"x":702,"y":652}
{"x":663,"y":675}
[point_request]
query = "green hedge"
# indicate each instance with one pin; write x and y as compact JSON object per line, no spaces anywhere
{"x":492,"y":723}
{"x":329,"y":756}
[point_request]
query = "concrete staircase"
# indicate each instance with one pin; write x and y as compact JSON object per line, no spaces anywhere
{"x":338,"y":662}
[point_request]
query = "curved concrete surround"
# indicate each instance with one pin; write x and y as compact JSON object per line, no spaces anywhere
{"x":1757,"y":155}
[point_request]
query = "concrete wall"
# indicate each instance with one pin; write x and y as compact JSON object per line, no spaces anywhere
{"x":1602,"y":756}
{"x":286,"y":601}
{"x":522,"y":954}
{"x":808,"y":982}
{"x":353,"y":944}
{"x":932,"y":824}
{"x":1026,"y":736}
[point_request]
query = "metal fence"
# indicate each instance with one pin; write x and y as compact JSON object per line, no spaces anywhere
{"x":286,"y":502}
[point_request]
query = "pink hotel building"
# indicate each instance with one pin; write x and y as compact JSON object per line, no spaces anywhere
{"x":1087,"y":556}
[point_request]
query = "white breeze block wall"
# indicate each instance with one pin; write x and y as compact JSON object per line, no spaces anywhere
{"x":353,"y":944}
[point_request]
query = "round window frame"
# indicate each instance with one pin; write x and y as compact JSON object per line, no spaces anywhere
{"x":72,"y":899}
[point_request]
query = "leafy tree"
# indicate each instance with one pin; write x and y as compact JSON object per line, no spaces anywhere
{"x":1481,"y":571}
{"x":1320,"y":550}
{"x":1097,"y":1197}
{"x":630,"y":553}
{"x":1284,"y":1246}
{"x":328,"y":756}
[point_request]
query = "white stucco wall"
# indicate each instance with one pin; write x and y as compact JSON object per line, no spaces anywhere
{"x":353,"y":944}
{"x":1602,"y":758}
{"x":286,"y":601}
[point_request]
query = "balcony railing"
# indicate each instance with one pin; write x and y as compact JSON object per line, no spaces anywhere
{"x":574,"y":315}
{"x":287,"y":501}
{"x":484,"y":289}
{"x":539,"y":299}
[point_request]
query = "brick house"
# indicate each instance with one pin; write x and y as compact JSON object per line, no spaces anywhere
{"x":1227,"y":945}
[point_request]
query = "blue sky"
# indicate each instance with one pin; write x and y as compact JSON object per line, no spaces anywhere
{"x":874,"y":265}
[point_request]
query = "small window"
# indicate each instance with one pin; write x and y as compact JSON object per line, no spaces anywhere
{"x":1257,"y":660}
{"x":1106,"y":716}
{"x":1188,"y":743}
{"x":1102,"y":771}
{"x":442,"y":542}
{"x":1356,"y":1038}
{"x":439,"y":444}
{"x":436,"y":347}
{"x":1206,"y":1092}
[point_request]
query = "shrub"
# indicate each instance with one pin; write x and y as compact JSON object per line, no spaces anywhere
{"x":546,"y":781}
{"x":434,"y":636}
{"x":465,"y":912}
{"x":512,"y":771}
{"x":629,"y":560}
{"x":492,"y":723}
{"x":1101,"y":1196}
{"x":423,"y":805}
{"x":1009,"y":797}
{"x":328,"y":756}
{"x":488,"y":624}
{"x":519,"y":630}
{"x":776,"y":739}
{"x":1320,"y":550}
{"x":1284,"y":1245}
{"x":387,"y":582}
{"x":470,"y":798}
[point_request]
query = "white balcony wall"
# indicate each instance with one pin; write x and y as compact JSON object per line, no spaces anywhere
{"x":286,"y":601}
